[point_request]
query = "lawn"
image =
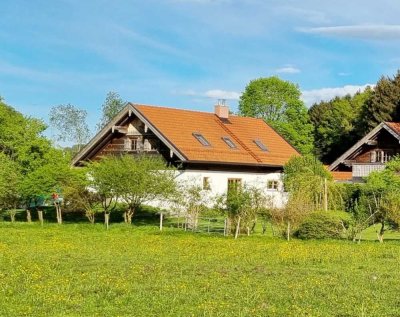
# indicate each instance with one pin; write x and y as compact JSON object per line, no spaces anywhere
{"x":83,"y":270}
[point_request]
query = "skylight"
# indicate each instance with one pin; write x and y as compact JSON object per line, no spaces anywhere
{"x":201,"y":139}
{"x":260,"y":145}
{"x":229,"y":142}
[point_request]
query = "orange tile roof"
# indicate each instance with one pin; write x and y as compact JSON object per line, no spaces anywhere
{"x":395,"y":126}
{"x":342,"y":176}
{"x":179,"y":125}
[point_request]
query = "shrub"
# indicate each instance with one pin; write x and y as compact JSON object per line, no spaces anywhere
{"x":324,"y":225}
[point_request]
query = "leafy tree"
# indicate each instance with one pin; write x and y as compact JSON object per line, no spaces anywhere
{"x":79,"y":196}
{"x":141,"y":179}
{"x":278,"y":103}
{"x":70,"y":124}
{"x":383,"y":105}
{"x":110,"y":108}
{"x":9,"y":181}
{"x":382,"y":193}
{"x":37,"y":186}
{"x":335,"y":123}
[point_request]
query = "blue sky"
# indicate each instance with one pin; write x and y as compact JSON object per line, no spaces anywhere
{"x":189,"y":53}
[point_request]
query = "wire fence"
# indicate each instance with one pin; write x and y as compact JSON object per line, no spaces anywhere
{"x":215,"y":225}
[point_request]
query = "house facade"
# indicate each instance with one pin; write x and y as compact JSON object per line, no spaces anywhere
{"x":369,"y":154}
{"x":214,"y":150}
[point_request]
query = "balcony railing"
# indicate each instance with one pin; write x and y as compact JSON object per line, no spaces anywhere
{"x":364,"y":169}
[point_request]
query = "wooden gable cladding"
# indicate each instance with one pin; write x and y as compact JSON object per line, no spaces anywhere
{"x":377,"y":147}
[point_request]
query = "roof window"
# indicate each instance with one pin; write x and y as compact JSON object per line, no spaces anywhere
{"x":229,"y":142}
{"x":201,"y":139}
{"x":260,"y":145}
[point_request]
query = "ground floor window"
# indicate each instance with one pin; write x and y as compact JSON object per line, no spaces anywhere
{"x":234,"y":183}
{"x":206,"y":183}
{"x":273,"y":185}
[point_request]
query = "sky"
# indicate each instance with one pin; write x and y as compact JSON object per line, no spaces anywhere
{"x":189,"y":53}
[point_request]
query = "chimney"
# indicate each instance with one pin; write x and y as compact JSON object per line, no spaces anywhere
{"x":221,"y":109}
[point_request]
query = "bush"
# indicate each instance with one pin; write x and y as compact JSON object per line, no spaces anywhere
{"x":324,"y":225}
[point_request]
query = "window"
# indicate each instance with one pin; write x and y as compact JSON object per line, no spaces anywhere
{"x":260,"y":145}
{"x":229,"y":142}
{"x":273,"y":185}
{"x":206,"y":183}
{"x":381,"y":156}
{"x":201,"y":139}
{"x":234,"y":184}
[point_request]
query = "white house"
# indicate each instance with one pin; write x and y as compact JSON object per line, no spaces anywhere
{"x":214,"y":149}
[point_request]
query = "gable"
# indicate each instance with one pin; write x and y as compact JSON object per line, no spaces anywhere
{"x":385,"y":136}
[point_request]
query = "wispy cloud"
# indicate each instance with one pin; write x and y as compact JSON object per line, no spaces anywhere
{"x":308,"y":15}
{"x":368,"y":32}
{"x":211,"y":94}
{"x":324,"y":94}
{"x":288,"y":69}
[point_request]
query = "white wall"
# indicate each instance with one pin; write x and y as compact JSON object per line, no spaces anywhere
{"x":219,"y":182}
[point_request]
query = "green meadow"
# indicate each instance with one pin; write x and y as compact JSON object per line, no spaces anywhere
{"x":84,"y":270}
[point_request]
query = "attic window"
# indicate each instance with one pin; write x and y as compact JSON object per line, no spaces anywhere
{"x":201,"y":139}
{"x":229,"y":142}
{"x":261,"y":145}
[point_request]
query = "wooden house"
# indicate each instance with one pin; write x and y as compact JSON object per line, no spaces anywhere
{"x":369,"y":154}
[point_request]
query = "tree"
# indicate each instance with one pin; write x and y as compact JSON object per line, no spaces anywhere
{"x":382,"y":195}
{"x":142,"y":179}
{"x":9,"y":181}
{"x":335,"y":123}
{"x":383,"y":105}
{"x":70,"y":124}
{"x":278,"y":103}
{"x":110,"y":108}
{"x":310,"y":188}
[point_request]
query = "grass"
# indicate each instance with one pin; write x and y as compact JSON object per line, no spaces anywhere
{"x":83,"y":270}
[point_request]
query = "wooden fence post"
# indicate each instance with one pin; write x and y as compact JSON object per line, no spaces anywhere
{"x":161,"y":221}
{"x":237,"y":228}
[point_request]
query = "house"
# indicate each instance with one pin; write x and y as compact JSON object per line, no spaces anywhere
{"x":216,"y":150}
{"x":369,"y":154}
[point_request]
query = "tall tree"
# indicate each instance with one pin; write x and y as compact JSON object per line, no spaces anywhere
{"x":110,"y":108}
{"x":70,"y":124}
{"x":278,"y":103}
{"x":383,"y":105}
{"x":335,"y":122}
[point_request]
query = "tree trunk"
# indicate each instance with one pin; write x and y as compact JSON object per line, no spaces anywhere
{"x":106,"y":219}
{"x":325,"y":195}
{"x":28,"y":216}
{"x":381,"y":232}
{"x":125,"y":217}
{"x":58,"y":212}
{"x":288,"y":231}
{"x":129,"y":215}
{"x":237,"y":228}
{"x":161,"y":221}
{"x":12,"y":215}
{"x":40,"y":216}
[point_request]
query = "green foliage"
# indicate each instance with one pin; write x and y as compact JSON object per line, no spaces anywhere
{"x":324,"y":225}
{"x":383,"y":105}
{"x":70,"y":124}
{"x":134,"y":179}
{"x":278,"y":103}
{"x":9,"y":182}
{"x":110,"y":108}
{"x":335,"y":122}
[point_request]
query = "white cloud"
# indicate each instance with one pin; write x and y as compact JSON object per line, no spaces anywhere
{"x":316,"y":95}
{"x":372,"y":32}
{"x":212,"y":94}
{"x":222,"y":94}
{"x":288,"y":69}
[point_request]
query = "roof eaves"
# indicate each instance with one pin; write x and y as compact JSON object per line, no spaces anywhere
{"x":357,"y":146}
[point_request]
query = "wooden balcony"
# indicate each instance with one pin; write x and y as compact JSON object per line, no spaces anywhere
{"x":364,"y":169}
{"x":135,"y":147}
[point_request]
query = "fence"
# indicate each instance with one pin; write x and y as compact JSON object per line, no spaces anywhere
{"x":200,"y":224}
